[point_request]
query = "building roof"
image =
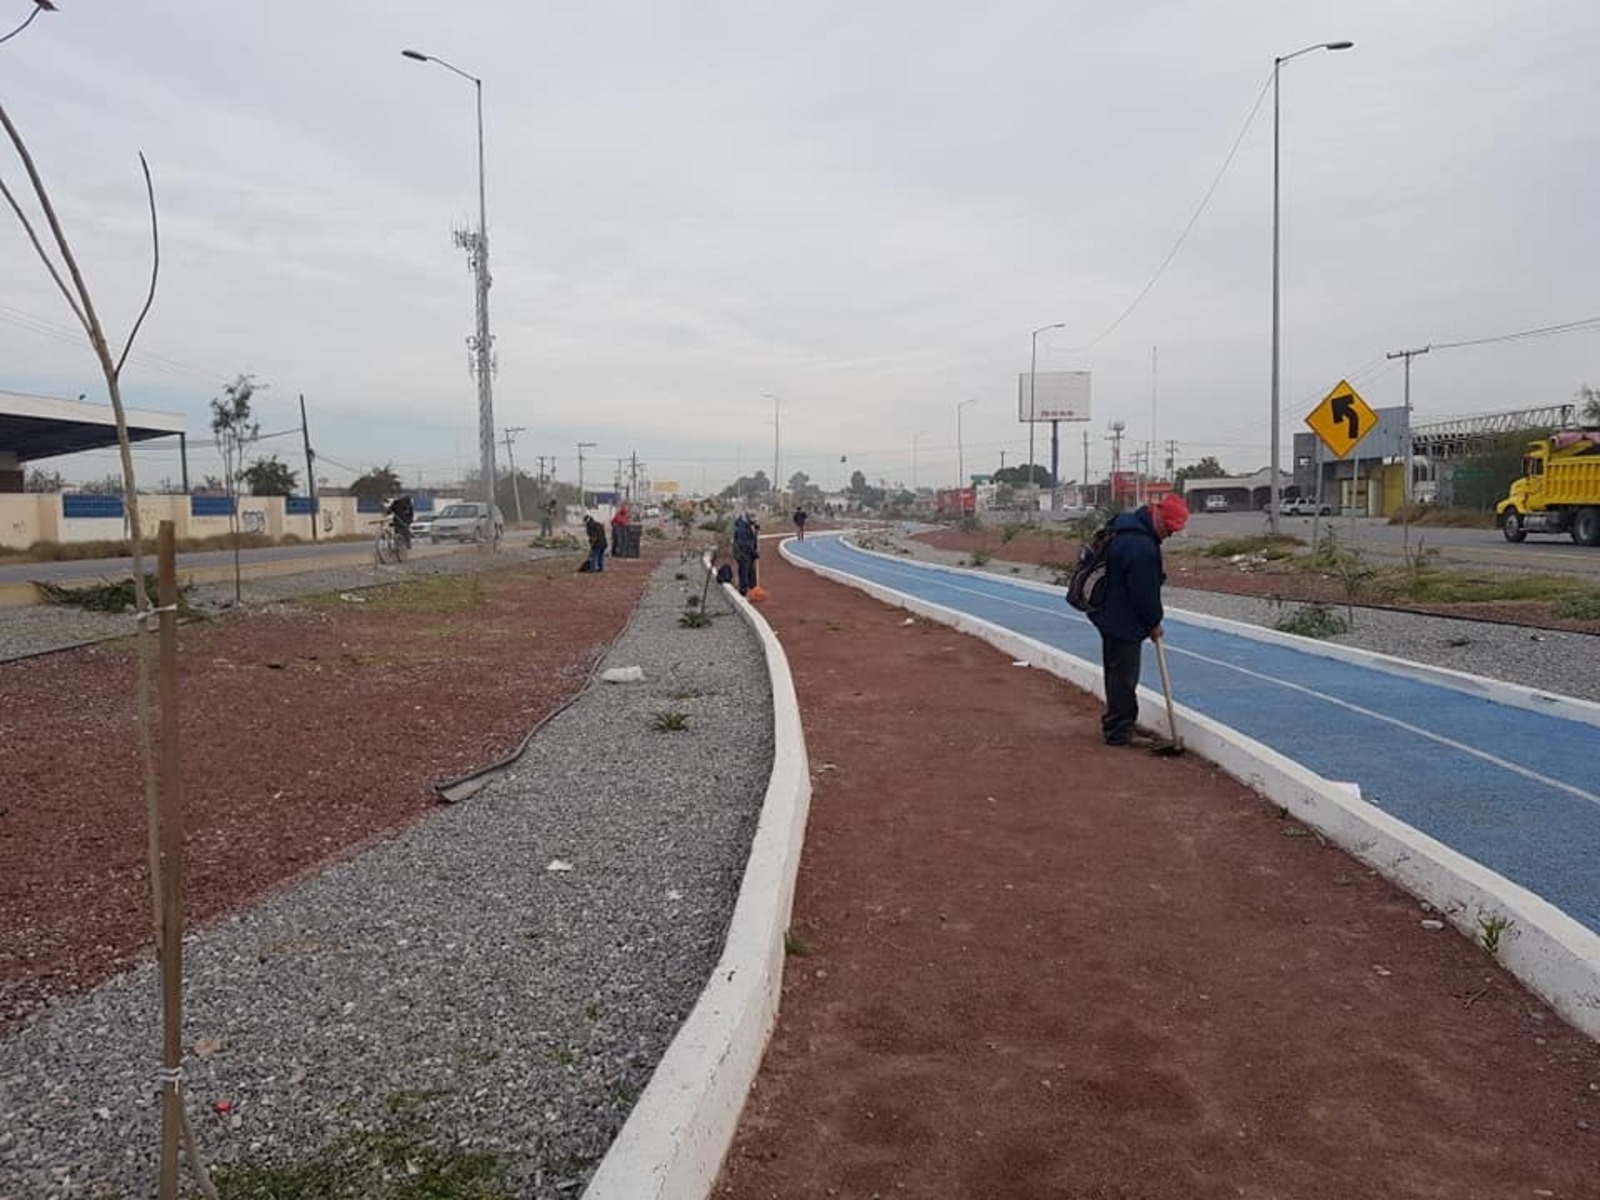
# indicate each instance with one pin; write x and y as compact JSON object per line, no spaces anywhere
{"x":1261,"y":478}
{"x":34,"y":427}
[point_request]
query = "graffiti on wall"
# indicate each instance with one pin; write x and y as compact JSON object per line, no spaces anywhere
{"x":253,"y":520}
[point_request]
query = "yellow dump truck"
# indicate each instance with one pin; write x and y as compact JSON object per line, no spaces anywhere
{"x":1559,"y":491}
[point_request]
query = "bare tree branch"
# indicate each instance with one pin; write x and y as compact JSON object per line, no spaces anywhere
{"x":37,"y":9}
{"x":155,"y":262}
{"x":91,"y":322}
{"x":27,"y":227}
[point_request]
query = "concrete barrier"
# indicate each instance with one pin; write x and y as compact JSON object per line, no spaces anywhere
{"x":674,"y":1141}
{"x":1552,"y":954}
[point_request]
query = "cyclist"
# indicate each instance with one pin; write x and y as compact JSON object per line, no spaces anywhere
{"x":401,"y":514}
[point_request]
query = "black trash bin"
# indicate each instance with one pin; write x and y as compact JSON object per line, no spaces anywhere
{"x":629,"y":537}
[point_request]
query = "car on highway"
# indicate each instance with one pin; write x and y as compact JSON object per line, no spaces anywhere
{"x":1307,"y":507}
{"x":464,"y":521}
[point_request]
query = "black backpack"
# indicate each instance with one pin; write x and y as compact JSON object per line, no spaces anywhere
{"x":1086,"y":590}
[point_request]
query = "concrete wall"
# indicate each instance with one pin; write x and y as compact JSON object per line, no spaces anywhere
{"x":37,"y":517}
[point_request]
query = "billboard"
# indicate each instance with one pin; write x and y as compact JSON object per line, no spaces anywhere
{"x":1053,"y":396}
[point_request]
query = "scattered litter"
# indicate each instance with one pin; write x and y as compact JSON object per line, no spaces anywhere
{"x":103,"y":1113}
{"x":909,"y":621}
{"x":1353,"y":790}
{"x":1458,"y":641}
{"x":207,"y":1046}
{"x":1018,"y":663}
{"x":352,"y":598}
{"x":1431,"y":924}
{"x":557,"y":864}
{"x":1384,"y":971}
{"x":827,"y":766}
{"x":623,"y":675}
{"x":674,"y":894}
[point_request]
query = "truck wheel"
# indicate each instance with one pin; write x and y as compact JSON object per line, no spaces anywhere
{"x":1586,"y":527}
{"x":1511,"y":526}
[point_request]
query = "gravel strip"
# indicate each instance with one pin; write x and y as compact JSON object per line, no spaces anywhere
{"x":42,"y":628}
{"x":460,"y":970}
{"x":1550,"y":660}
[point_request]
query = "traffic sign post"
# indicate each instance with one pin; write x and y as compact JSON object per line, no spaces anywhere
{"x":1342,"y":420}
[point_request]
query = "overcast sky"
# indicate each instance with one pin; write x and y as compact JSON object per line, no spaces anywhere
{"x":863,"y":208}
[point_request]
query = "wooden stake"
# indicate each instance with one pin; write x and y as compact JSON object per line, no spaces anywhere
{"x":171,"y":947}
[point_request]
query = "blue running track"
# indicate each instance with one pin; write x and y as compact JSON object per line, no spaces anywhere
{"x":1519,"y":791}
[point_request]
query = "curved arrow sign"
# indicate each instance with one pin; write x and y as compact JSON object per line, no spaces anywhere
{"x":1342,"y":420}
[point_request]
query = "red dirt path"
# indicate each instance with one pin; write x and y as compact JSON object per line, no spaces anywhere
{"x":307,"y":730}
{"x":1041,"y":967}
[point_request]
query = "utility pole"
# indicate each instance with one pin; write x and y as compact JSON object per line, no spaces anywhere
{"x":583,"y":500}
{"x":311,"y":474}
{"x":1172,"y":459}
{"x":1116,"y":456}
{"x":633,"y":478}
{"x":510,"y":433}
{"x":1408,"y":355}
{"x":1085,"y":461}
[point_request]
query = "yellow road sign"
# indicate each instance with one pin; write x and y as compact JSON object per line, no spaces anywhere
{"x":1342,"y":420}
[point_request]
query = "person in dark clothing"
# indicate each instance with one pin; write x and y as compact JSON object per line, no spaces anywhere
{"x":800,"y":518}
{"x":402,"y":513}
{"x":1132,"y":610}
{"x":745,"y":552}
{"x":597,"y":543}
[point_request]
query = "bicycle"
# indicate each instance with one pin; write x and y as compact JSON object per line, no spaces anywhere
{"x":387,"y":544}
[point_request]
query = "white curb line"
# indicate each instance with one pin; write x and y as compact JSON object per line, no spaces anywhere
{"x":1516,"y":695}
{"x":1551,"y":953}
{"x":674,"y":1141}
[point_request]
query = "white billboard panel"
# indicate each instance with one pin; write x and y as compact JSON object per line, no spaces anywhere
{"x":1053,"y":396}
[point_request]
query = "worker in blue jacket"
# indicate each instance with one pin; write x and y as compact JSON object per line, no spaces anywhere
{"x":1132,"y":609}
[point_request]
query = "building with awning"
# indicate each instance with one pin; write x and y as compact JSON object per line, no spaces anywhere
{"x":38,"y":427}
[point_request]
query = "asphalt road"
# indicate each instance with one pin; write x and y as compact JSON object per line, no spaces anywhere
{"x":1481,"y":548}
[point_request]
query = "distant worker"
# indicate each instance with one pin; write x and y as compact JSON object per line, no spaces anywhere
{"x":800,"y":518}
{"x":597,"y":544}
{"x":1131,"y":611}
{"x":619,"y":531}
{"x":401,"y":515}
{"x":745,"y":550}
{"x":547,"y":516}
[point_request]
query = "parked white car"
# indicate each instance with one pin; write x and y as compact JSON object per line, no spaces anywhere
{"x":467,"y":521}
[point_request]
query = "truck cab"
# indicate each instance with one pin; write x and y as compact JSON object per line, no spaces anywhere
{"x":1559,"y":491}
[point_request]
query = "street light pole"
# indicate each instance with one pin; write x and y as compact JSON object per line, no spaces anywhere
{"x":776,"y":413}
{"x":477,"y":248}
{"x":1033,"y":370}
{"x":961,"y":464}
{"x":1277,"y":66}
{"x":582,"y":446}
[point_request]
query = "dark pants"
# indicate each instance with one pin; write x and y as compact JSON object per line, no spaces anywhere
{"x":747,"y":571}
{"x":597,"y":557}
{"x":1121,"y":661}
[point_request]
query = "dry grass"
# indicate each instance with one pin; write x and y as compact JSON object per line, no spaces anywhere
{"x":1449,"y":518}
{"x":121,"y":548}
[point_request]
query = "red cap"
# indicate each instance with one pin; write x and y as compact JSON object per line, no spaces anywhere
{"x":1174,"y":512}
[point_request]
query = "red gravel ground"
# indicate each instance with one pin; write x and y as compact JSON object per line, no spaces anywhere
{"x":308,"y":730}
{"x":1271,"y":582}
{"x":1042,"y":967}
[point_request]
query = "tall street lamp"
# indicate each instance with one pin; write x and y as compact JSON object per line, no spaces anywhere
{"x":1277,"y":66}
{"x":776,"y":405}
{"x":477,"y":248}
{"x":582,"y":446}
{"x":961,"y":463}
{"x":1033,"y":370}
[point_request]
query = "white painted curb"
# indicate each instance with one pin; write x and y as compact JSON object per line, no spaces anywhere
{"x":674,"y":1141}
{"x":1515,"y":695}
{"x":1547,"y":950}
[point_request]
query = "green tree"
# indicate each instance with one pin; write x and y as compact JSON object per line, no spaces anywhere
{"x":747,"y":487}
{"x":235,"y":429}
{"x":1206,"y":468}
{"x":1482,"y":481}
{"x":378,"y":484}
{"x":1589,"y":400}
{"x":1028,"y":473}
{"x":269,"y":477}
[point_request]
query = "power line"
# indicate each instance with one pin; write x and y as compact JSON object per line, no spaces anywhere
{"x":1183,"y":237}
{"x":1543,"y":331}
